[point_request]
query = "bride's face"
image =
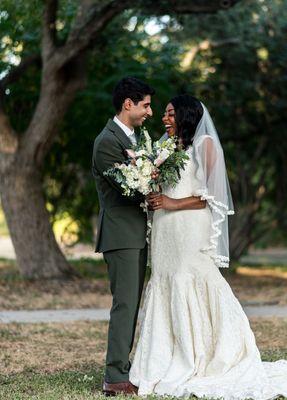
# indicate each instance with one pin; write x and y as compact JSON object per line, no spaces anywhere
{"x":169,"y":120}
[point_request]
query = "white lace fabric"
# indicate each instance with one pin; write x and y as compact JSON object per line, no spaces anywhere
{"x":195,"y":339}
{"x":220,"y":210}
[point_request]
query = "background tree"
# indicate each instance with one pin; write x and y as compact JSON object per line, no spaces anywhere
{"x":236,"y":63}
{"x":68,"y":32}
{"x":239,"y":71}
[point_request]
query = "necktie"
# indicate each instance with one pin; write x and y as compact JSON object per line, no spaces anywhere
{"x":133,"y":139}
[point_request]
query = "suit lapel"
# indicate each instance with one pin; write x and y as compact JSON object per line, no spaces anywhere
{"x":138,"y":136}
{"x":119,"y":133}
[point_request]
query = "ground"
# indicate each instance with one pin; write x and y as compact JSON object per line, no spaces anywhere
{"x":65,"y":361}
{"x":260,"y":285}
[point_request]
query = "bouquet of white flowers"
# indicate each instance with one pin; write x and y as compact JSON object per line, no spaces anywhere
{"x":135,"y":175}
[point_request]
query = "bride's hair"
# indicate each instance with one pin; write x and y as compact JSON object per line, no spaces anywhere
{"x":188,"y":113}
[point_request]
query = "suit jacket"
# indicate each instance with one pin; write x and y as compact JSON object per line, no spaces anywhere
{"x":122,"y":223}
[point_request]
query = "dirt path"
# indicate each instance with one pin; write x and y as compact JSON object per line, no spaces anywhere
{"x":92,"y":314}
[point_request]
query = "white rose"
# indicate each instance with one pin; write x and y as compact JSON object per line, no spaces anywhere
{"x":163,"y":155}
{"x":144,"y":185}
{"x":139,"y":162}
{"x":140,"y":153}
{"x":147,"y":168}
{"x":148,"y":141}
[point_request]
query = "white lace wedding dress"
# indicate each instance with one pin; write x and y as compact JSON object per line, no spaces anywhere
{"x":195,"y":338}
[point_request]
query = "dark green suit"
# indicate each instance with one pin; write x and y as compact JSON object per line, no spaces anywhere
{"x":121,"y":236}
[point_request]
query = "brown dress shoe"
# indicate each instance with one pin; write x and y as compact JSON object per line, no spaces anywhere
{"x":113,"y":389}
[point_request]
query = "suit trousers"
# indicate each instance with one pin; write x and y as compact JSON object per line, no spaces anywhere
{"x":126,"y":269}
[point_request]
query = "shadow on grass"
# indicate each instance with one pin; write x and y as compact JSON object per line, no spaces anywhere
{"x":274,"y":355}
{"x":87,"y":268}
{"x":83,"y":383}
{"x":90,"y":268}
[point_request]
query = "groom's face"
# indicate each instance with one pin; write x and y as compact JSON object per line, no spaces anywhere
{"x":139,"y":112}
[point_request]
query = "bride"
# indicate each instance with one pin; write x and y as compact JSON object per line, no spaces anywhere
{"x":195,"y":339}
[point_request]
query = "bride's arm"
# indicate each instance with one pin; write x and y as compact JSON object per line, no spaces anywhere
{"x":208,"y":158}
{"x":158,"y":201}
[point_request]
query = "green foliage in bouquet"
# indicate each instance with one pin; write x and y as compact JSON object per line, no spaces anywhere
{"x":170,"y":169}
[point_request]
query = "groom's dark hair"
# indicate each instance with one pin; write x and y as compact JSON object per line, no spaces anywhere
{"x":130,"y":88}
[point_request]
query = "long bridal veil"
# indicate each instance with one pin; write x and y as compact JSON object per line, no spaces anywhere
{"x":214,"y":188}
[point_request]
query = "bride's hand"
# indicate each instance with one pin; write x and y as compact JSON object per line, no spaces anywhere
{"x":158,"y":201}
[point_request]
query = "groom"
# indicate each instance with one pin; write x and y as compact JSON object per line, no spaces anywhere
{"x":121,"y":234}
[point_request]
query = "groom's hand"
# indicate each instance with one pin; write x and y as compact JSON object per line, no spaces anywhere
{"x":149,"y":198}
{"x":155,"y":174}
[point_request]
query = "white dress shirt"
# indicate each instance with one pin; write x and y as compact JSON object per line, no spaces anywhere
{"x":130,"y":133}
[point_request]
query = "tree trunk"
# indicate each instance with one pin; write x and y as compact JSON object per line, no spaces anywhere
{"x":22,"y":196}
{"x":38,"y":254}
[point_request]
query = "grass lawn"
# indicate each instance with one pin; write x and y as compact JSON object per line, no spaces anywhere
{"x":260,"y":285}
{"x":65,"y":361}
{"x":92,"y":290}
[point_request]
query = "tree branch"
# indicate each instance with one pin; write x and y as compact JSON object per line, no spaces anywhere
{"x":203,"y":46}
{"x":55,"y":98}
{"x":87,"y":28}
{"x":187,"y":7}
{"x":49,"y":28}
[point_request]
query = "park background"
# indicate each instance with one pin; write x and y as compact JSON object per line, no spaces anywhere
{"x":59,"y":61}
